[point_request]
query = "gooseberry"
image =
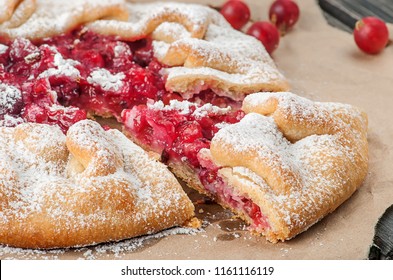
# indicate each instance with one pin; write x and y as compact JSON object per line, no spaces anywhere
{"x":267,"y":33}
{"x":371,"y":35}
{"x":284,"y":14}
{"x":236,"y":12}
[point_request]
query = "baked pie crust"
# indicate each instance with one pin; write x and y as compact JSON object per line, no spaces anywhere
{"x":83,"y":188}
{"x":207,"y":98}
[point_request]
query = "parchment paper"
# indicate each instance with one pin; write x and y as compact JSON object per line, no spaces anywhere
{"x":324,"y":64}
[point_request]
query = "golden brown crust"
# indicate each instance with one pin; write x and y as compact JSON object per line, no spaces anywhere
{"x":47,"y":203}
{"x":44,"y":18}
{"x":298,"y":182}
{"x":7,"y":9}
{"x":225,"y":60}
{"x":20,"y":13}
{"x":145,"y":18}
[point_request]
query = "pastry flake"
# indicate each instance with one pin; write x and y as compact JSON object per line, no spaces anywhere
{"x":83,"y":188}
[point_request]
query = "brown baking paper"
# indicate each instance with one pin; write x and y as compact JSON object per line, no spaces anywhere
{"x":324,"y":64}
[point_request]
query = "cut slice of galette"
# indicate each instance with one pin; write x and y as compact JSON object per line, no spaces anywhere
{"x":282,"y":163}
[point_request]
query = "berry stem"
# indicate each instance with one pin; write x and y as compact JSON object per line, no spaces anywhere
{"x":390,"y":28}
{"x":359,"y":24}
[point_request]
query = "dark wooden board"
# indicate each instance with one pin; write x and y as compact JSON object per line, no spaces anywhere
{"x":344,"y":13}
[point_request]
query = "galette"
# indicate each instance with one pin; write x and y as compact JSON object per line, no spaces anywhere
{"x":204,"y":99}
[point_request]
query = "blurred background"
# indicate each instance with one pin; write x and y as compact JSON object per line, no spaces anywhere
{"x":344,"y":13}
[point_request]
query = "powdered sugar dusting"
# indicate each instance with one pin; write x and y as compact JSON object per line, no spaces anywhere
{"x":159,"y":190}
{"x":10,"y":121}
{"x":160,"y":49}
{"x":10,"y":103}
{"x":184,"y":108}
{"x":106,"y":80}
{"x":56,"y":17}
{"x":170,"y":31}
{"x":3,"y":48}
{"x":36,"y":164}
{"x":239,"y":62}
{"x":122,"y":50}
{"x":120,"y":249}
{"x":258,"y":136}
{"x":145,"y":18}
{"x":207,"y":108}
{"x":63,"y":67}
{"x":9,"y":96}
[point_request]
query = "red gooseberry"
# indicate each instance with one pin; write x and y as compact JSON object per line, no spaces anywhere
{"x":236,"y":12}
{"x":371,"y":35}
{"x":267,"y":33}
{"x":284,"y":14}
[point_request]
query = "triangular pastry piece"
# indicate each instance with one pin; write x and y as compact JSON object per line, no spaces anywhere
{"x":297,"y":160}
{"x":83,"y":188}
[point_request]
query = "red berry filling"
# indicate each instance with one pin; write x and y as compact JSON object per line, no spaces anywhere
{"x":61,"y":80}
{"x":97,"y":74}
{"x":179,"y":132}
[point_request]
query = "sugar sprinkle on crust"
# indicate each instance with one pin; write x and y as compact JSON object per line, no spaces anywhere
{"x":88,"y":187}
{"x":298,"y":160}
{"x":42,"y":18}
